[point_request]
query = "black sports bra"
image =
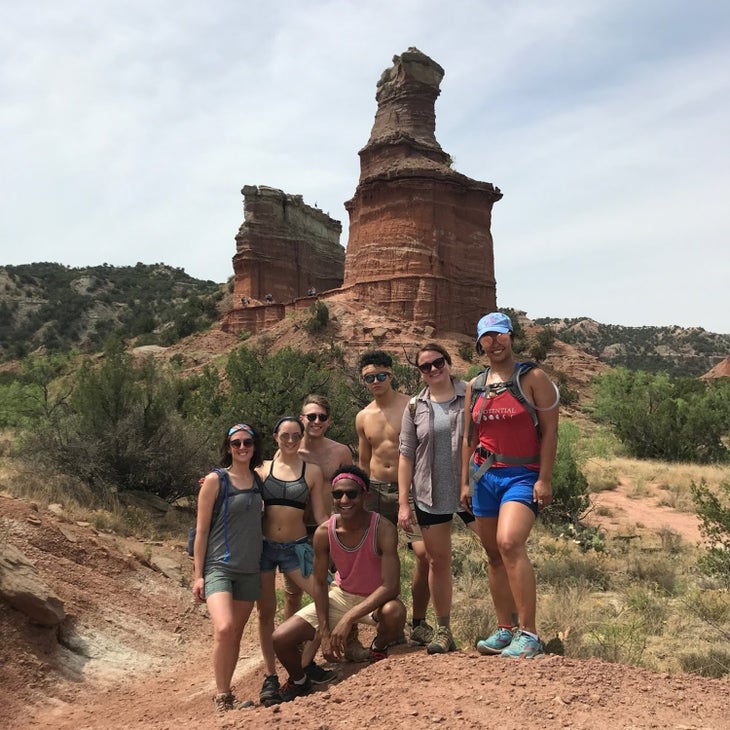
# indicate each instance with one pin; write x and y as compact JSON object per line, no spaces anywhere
{"x":288,"y":494}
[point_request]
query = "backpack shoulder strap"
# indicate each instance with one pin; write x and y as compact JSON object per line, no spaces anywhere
{"x":223,"y":490}
{"x":478,"y":387}
{"x":412,"y":406}
{"x":516,"y":389}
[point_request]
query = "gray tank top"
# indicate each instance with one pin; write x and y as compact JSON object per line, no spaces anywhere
{"x":243,"y":527}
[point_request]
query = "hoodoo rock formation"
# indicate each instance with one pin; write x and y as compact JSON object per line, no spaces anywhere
{"x":284,"y":249}
{"x":420,"y":242}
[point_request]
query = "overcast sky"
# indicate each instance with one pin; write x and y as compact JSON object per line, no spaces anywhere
{"x":129,"y":127}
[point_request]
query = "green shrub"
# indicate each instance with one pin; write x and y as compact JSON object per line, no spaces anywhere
{"x":319,"y":317}
{"x":714,"y":514}
{"x":715,"y":663}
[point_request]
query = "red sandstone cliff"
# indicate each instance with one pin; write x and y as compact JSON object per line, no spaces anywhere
{"x":285,"y":248}
{"x":420,"y":243}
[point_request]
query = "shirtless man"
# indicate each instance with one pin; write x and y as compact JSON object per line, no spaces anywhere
{"x":378,"y":428}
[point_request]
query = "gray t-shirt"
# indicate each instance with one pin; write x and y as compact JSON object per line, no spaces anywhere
{"x":444,"y":493}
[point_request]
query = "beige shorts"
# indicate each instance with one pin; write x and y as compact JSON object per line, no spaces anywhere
{"x":340,"y":602}
{"x":383,"y":499}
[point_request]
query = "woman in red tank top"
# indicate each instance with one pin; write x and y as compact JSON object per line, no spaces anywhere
{"x":511,"y":464}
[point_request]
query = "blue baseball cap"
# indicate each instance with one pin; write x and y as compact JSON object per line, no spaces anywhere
{"x":493,"y":322}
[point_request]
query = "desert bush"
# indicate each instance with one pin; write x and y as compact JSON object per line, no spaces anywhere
{"x":671,"y":540}
{"x":714,"y":514}
{"x":654,"y":570}
{"x":565,"y":566}
{"x":466,"y":351}
{"x":319,"y":317}
{"x":650,"y":607}
{"x":622,"y":640}
{"x":658,"y":417}
{"x":714,"y":663}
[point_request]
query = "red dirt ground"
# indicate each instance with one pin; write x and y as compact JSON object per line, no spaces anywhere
{"x":141,"y":659}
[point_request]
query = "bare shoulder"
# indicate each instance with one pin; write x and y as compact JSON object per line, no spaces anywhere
{"x":403,"y":398}
{"x":387,"y":532}
{"x":342,"y":452}
{"x":313,"y":470}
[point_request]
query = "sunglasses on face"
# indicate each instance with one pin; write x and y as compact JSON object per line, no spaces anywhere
{"x":238,"y":443}
{"x":492,"y":336}
{"x":312,"y":417}
{"x":349,"y":493}
{"x":438,"y":364}
{"x":370,"y":378}
{"x":293,"y":437}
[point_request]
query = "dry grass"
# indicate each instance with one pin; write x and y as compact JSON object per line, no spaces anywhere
{"x":670,"y":483}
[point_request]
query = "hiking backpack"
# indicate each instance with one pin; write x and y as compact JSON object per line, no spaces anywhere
{"x":480,"y":387}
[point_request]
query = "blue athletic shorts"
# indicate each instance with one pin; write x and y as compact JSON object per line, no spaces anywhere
{"x":283,"y":554}
{"x":503,"y":484}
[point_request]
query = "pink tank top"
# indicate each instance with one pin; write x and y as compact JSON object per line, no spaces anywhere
{"x":358,"y":568}
{"x":506,"y":428}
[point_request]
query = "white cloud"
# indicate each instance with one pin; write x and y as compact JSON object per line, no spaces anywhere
{"x":129,"y":128}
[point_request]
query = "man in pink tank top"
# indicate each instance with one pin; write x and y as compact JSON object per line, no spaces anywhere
{"x":367,"y":583}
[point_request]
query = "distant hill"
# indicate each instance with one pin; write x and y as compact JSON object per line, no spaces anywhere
{"x":60,"y":308}
{"x":678,"y":351}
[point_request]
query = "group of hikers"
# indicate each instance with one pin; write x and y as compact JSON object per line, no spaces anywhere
{"x":482,"y":450}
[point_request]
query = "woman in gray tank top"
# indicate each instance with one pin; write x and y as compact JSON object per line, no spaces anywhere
{"x":228,"y":551}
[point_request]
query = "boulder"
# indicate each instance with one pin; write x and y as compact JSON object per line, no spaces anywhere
{"x":21,"y":588}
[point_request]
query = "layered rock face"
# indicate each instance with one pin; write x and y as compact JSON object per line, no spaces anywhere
{"x":284,"y":248}
{"x":420,"y":243}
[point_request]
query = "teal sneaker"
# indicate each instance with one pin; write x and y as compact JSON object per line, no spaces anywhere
{"x":494,"y":644}
{"x":524,"y":646}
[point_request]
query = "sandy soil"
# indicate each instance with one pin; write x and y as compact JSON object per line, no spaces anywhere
{"x":135,"y":653}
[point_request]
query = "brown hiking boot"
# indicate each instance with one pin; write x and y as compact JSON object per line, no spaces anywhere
{"x":442,"y":641}
{"x":226,"y":701}
{"x":421,"y":635}
{"x":354,"y":650}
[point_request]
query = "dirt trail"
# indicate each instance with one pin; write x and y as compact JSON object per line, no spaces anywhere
{"x":140,"y":658}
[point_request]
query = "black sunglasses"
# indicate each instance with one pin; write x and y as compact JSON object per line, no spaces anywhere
{"x":312,"y":417}
{"x":370,"y":378}
{"x":350,"y":493}
{"x":237,"y":443}
{"x":438,"y":363}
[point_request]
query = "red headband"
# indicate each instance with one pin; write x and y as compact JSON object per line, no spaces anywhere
{"x":354,"y":477}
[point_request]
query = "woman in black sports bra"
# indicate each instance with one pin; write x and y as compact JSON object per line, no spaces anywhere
{"x":290,"y":485}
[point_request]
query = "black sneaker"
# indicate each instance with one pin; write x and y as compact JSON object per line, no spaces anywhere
{"x":269,"y":689}
{"x":319,"y":675}
{"x":290,"y":691}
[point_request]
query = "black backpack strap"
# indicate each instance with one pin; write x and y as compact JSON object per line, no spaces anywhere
{"x":478,"y":387}
{"x":516,"y":389}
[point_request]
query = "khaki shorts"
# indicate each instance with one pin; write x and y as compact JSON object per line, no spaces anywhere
{"x":383,"y":499}
{"x":340,"y":602}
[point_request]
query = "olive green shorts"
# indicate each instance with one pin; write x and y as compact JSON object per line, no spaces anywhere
{"x":242,"y":586}
{"x":383,"y":499}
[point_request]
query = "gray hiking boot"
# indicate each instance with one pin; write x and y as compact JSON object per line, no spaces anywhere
{"x":421,"y":635}
{"x":269,"y":689}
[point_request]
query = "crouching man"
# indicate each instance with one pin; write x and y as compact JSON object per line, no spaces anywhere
{"x":364,"y":547}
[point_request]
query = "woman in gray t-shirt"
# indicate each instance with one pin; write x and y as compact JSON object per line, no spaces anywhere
{"x":429,"y":468}
{"x":227,"y":551}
